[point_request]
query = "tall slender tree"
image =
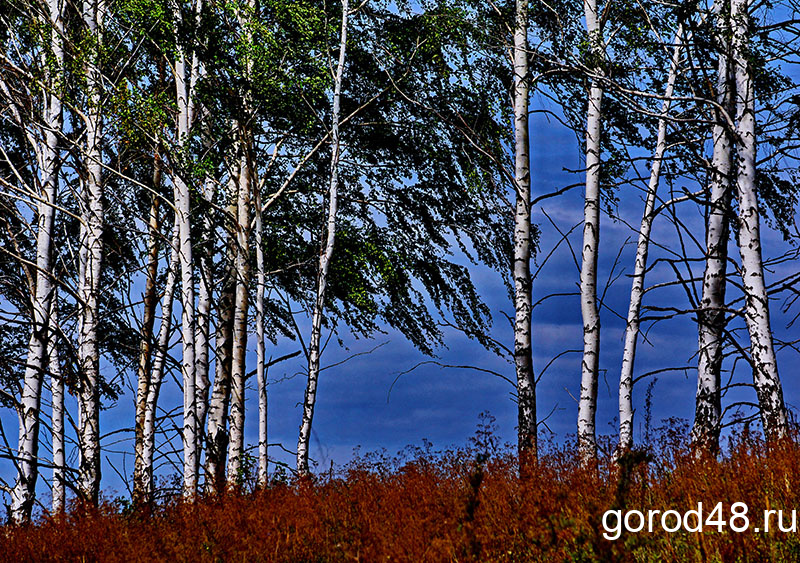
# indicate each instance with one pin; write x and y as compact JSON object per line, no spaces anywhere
{"x":243,"y":228}
{"x":57,"y":387}
{"x":325,"y":256}
{"x":240,"y":309}
{"x":642,"y":251}
{"x":160,"y":352}
{"x":91,"y":254}
{"x":141,"y":479}
{"x":217,"y":436}
{"x":711,"y":317}
{"x":587,"y":406}
{"x":187,"y":70}
{"x":762,"y":351}
{"x":523,"y":347}
{"x":261,"y":368}
{"x":39,"y":346}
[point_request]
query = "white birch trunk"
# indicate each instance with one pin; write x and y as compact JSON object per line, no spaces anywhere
{"x":640,"y":264}
{"x":57,"y":390}
{"x":309,"y":401}
{"x":587,"y":406}
{"x":217,"y":434}
{"x":242,"y":266}
{"x":144,"y":368}
{"x":765,"y":367}
{"x":24,"y":491}
{"x":523,"y":350}
{"x":184,"y":95}
{"x":187,"y":340}
{"x":239,"y":356}
{"x":92,"y":254}
{"x":261,"y":375}
{"x":711,"y":314}
{"x":157,"y":373}
{"x":203,"y":328}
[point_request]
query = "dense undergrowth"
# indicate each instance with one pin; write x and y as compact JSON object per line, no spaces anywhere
{"x":464,"y":505}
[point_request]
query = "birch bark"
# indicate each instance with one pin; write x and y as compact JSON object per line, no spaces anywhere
{"x":24,"y":491}
{"x":239,"y":355}
{"x":324,"y":261}
{"x":242,"y":266}
{"x":587,"y":406}
{"x":523,"y":349}
{"x":144,"y":368}
{"x":91,"y":252}
{"x":202,"y":322}
{"x":157,"y":373}
{"x":765,"y":367}
{"x":261,"y":375}
{"x":203,"y":329}
{"x":57,"y":390}
{"x":640,"y":263}
{"x":185,"y":77}
{"x":711,"y":316}
{"x":217,"y":435}
{"x":187,"y":339}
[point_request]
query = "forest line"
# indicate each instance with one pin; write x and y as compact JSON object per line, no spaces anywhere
{"x":239,"y":159}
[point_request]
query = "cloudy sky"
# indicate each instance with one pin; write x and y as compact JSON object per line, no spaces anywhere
{"x":355,"y":406}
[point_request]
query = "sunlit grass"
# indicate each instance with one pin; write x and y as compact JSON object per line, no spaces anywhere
{"x":462,"y":505}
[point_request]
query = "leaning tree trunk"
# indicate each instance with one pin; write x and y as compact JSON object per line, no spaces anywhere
{"x":324,"y":262}
{"x":765,"y":367}
{"x":24,"y":491}
{"x":91,"y":252}
{"x":144,"y":368}
{"x":157,"y":370}
{"x":587,"y":406}
{"x":711,"y":314}
{"x":640,"y":264}
{"x":523,"y":352}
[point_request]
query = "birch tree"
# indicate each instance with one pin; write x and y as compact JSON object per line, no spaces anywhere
{"x":261,"y":370}
{"x":156,"y":377}
{"x":240,"y":313}
{"x":40,"y":344}
{"x":765,"y":368}
{"x":186,"y":69}
{"x":523,"y":348}
{"x":217,"y":437}
{"x":91,"y":256}
{"x":640,"y":262}
{"x":326,"y":254}
{"x":587,"y":406}
{"x":205,"y":297}
{"x":141,"y":483}
{"x":57,"y":387}
{"x":711,"y":316}
{"x":242,"y":226}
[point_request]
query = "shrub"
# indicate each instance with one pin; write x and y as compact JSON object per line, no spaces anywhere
{"x":457,"y":505}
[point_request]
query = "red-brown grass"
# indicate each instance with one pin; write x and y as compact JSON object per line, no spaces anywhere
{"x":464,"y":505}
